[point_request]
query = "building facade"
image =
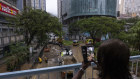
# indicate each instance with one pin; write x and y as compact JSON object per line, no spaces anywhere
{"x":59,"y":9}
{"x":12,"y":2}
{"x":73,"y":10}
{"x":36,"y":4}
{"x":130,"y":8}
{"x":121,"y":6}
{"x":20,"y":5}
{"x":8,"y":9}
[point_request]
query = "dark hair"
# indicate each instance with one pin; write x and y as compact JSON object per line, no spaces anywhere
{"x":113,"y":59}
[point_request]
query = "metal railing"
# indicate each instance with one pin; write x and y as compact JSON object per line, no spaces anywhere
{"x":28,"y":74}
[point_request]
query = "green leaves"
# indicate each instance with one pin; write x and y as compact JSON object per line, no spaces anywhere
{"x":36,"y":23}
{"x":98,"y":26}
{"x":132,"y":20}
{"x":135,"y":33}
{"x":132,"y":36}
{"x":17,"y":56}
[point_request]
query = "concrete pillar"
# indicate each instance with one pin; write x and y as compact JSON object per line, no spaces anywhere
{"x":9,"y":35}
{"x":1,"y":36}
{"x":0,"y":29}
{"x":2,"y":39}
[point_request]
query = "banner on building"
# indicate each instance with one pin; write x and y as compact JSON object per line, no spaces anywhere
{"x":7,"y":9}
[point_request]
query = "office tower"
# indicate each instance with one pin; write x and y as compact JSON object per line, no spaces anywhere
{"x":70,"y":11}
{"x":130,"y":7}
{"x":36,"y":4}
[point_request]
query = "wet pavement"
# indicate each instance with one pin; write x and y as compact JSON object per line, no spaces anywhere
{"x":52,"y":57}
{"x":53,"y":60}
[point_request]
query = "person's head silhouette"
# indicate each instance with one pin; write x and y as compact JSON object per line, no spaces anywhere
{"x":113,"y":60}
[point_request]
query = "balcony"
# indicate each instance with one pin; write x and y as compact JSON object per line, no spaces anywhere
{"x":39,"y":73}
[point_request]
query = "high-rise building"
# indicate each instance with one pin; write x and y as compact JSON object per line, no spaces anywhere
{"x":12,"y":2}
{"x":69,"y":9}
{"x":73,"y":10}
{"x":59,"y":9}
{"x":130,"y":7}
{"x":117,"y":9}
{"x":36,"y":4}
{"x":121,"y":6}
{"x":20,"y":5}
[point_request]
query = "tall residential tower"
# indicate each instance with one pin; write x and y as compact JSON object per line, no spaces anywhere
{"x":130,"y":7}
{"x":59,"y":9}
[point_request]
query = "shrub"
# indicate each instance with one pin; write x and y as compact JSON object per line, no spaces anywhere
{"x":19,"y":54}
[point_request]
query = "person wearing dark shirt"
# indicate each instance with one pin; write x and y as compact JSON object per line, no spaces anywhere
{"x":113,"y":61}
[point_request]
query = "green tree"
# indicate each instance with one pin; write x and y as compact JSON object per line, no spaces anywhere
{"x":135,"y":35}
{"x":33,"y":24}
{"x":74,"y":29}
{"x":98,"y":26}
{"x":52,"y":26}
{"x":18,"y":55}
{"x":132,"y":36}
{"x":132,"y":20}
{"x":36,"y":23}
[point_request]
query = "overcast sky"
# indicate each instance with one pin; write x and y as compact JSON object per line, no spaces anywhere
{"x":51,"y":6}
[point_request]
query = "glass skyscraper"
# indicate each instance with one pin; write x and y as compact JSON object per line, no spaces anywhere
{"x":74,"y":8}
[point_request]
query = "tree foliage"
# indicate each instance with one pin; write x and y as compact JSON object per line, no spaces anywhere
{"x":36,"y":23}
{"x":98,"y":26}
{"x":18,"y":55}
{"x":132,"y":36}
{"x":33,"y":24}
{"x":135,"y":35}
{"x":132,"y":20}
{"x":74,"y":29}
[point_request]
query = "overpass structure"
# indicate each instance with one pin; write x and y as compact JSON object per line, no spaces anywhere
{"x":75,"y":67}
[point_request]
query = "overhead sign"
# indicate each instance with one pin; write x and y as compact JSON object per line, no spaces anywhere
{"x":7,"y":9}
